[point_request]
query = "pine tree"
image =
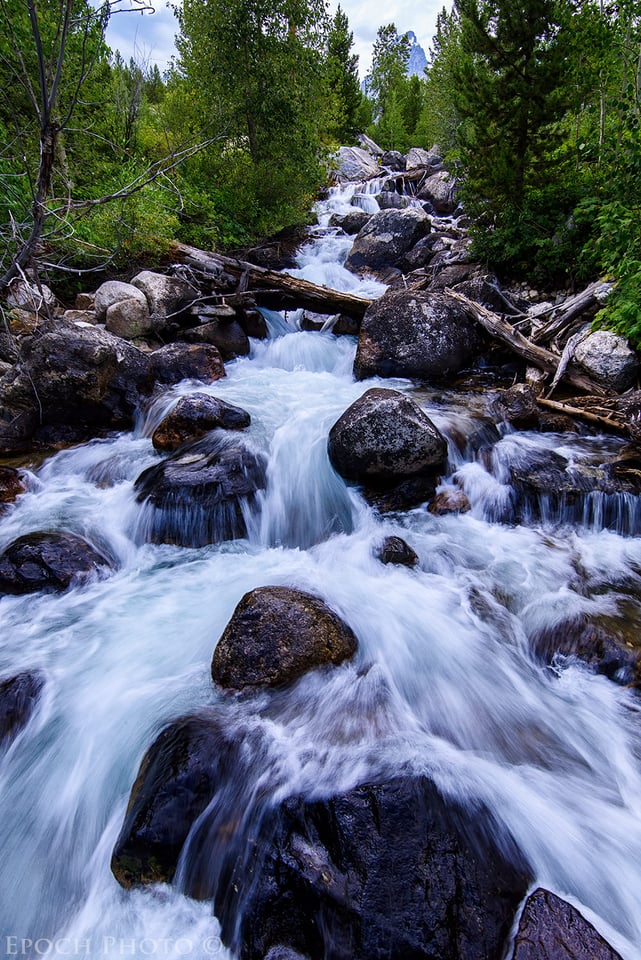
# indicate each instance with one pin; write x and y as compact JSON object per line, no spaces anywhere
{"x":344,"y":90}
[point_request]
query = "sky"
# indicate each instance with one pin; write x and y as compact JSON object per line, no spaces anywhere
{"x":149,"y":38}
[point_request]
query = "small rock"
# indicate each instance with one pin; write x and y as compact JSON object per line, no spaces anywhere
{"x":352,"y":222}
{"x":49,"y":561}
{"x":449,"y":501}
{"x":18,"y":699}
{"x":275,"y":635}
{"x":193,"y":417}
{"x":85,"y":301}
{"x":393,"y":160}
{"x":11,"y":484}
{"x":396,"y":550}
{"x":552,"y":929}
{"x":517,"y":405}
{"x":32,"y":297}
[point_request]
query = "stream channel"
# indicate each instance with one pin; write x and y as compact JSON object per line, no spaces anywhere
{"x":444,"y":681}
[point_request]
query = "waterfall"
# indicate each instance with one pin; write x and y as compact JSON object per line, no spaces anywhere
{"x":444,"y":682}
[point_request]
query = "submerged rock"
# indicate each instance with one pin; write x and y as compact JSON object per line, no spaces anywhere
{"x":552,"y":929}
{"x":386,"y":237}
{"x":384,"y":437}
{"x":406,"y":334}
{"x":18,"y":699}
{"x":384,"y":872}
{"x":201,"y":494}
{"x":275,"y":635}
{"x":189,"y":762}
{"x":193,"y":417}
{"x":49,"y":561}
{"x":517,"y":405}
{"x":449,"y":501}
{"x":610,"y":645}
{"x":396,"y":550}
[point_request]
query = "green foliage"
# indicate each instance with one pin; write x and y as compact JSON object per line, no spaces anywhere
{"x":389,"y":65}
{"x":343,"y":88}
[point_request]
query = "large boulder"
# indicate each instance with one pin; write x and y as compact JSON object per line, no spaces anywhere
{"x":385,"y":437}
{"x":112,"y":292}
{"x":415,"y":334}
{"x":186,"y":361}
{"x":72,"y":376}
{"x":393,"y":160}
{"x":193,"y":417}
{"x":190,"y":761}
{"x":608,"y":358}
{"x":51,"y":561}
{"x":385,"y":872}
{"x":386,"y":237}
{"x":354,"y":163}
{"x":129,"y":319}
{"x":395,"y":550}
{"x":165,"y":295}
{"x":18,"y":699}
{"x":350,"y":222}
{"x":201,"y":494}
{"x":418,"y":157}
{"x":440,"y":190}
{"x":275,"y":635}
{"x":552,"y":929}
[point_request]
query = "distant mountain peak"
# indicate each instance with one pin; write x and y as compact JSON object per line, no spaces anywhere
{"x":417,"y":61}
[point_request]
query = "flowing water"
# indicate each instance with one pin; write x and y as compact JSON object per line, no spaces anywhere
{"x":443,"y":682}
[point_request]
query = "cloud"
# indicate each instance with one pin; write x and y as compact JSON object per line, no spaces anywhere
{"x":149,"y":38}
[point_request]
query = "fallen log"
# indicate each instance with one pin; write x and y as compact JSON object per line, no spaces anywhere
{"x":500,"y":329}
{"x":581,"y":307}
{"x":263,"y":283}
{"x":605,"y":419}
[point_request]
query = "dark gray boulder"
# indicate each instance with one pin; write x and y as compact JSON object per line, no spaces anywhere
{"x":275,"y":635}
{"x":72,"y":376}
{"x":517,"y":405}
{"x":201,"y":494}
{"x":19,"y":697}
{"x":193,"y":417}
{"x":386,"y":237}
{"x":186,"y":361}
{"x":385,"y":437}
{"x":190,"y":761}
{"x":51,"y":561}
{"x":552,"y":929}
{"x":226,"y":335}
{"x":350,"y":222}
{"x":390,"y":200}
{"x":415,"y":334}
{"x":440,"y":190}
{"x":393,"y":160}
{"x":385,"y":872}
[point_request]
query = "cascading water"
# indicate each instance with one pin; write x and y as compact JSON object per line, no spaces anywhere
{"x":444,"y":681}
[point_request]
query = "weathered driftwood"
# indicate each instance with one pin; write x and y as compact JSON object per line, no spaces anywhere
{"x":581,"y":307}
{"x":264,"y":283}
{"x":566,"y":357}
{"x":608,"y":419}
{"x":501,"y":330}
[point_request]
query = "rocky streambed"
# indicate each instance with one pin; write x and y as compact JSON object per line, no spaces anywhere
{"x":316,"y":645}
